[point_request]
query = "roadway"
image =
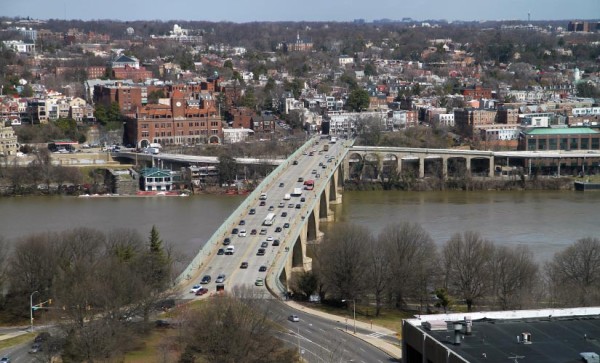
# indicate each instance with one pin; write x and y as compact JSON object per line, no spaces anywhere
{"x":246,"y":247}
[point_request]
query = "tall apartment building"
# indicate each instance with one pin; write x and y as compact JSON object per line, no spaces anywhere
{"x":466,"y":119}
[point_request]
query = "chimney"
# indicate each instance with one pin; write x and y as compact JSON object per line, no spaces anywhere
{"x":457,"y":333}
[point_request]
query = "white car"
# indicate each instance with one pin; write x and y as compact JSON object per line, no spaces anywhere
{"x":270,"y":239}
{"x":242,"y":233}
{"x":294,"y":318}
{"x":195,"y":289}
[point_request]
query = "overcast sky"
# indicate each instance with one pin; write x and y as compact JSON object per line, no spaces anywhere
{"x":303,"y":10}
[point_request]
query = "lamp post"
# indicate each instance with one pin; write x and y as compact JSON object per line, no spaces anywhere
{"x":31,"y":308}
{"x":354,"y":311}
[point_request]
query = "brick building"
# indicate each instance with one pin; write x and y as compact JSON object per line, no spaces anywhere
{"x":242,"y":117}
{"x":476,"y":92}
{"x":129,"y":98}
{"x":127,"y":72}
{"x":184,"y":121}
{"x":466,"y":118}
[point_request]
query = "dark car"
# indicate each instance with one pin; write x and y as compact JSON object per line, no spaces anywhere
{"x":206,"y":279}
{"x":276,"y":242}
{"x":235,"y":231}
{"x":226,"y":241}
{"x":253,"y":232}
{"x":261,"y":252}
{"x":244,"y":265}
{"x":242,"y":222}
{"x":286,"y":225}
{"x":262,"y":268}
{"x":221,"y":251}
{"x":303,"y":199}
{"x":202,"y":291}
{"x":300,"y":180}
{"x":281,"y":185}
{"x":295,"y":162}
{"x":262,"y":203}
{"x":298,"y":206}
{"x":278,"y":229}
{"x":264,"y":244}
{"x":284,"y":214}
{"x":252,"y":211}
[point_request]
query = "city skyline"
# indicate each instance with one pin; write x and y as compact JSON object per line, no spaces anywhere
{"x":310,"y":10}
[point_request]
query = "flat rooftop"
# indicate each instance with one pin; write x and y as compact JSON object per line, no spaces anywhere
{"x":553,"y":338}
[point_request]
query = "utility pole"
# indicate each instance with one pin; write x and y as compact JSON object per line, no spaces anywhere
{"x":31,"y":308}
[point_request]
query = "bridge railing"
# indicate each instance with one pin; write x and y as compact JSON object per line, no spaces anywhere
{"x":273,"y":282}
{"x":224,"y":230}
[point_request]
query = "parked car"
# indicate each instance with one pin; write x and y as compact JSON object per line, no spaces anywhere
{"x":206,"y":279}
{"x":244,"y":265}
{"x":294,"y":318}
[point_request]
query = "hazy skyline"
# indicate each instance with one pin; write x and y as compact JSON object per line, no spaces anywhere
{"x":240,"y":11}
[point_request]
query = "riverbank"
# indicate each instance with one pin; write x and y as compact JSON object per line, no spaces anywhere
{"x":466,"y":184}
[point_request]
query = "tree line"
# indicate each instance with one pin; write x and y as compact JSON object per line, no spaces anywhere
{"x":403,"y":268}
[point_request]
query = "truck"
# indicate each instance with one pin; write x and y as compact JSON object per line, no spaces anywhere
{"x":333,"y":139}
{"x":297,"y":192}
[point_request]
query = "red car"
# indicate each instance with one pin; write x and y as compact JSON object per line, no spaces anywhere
{"x":202,"y":291}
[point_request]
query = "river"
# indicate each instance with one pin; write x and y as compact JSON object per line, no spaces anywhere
{"x":546,"y":221}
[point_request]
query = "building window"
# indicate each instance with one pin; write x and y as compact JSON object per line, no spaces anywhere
{"x":531,"y":144}
{"x":564,"y":143}
{"x":595,"y":143}
{"x":552,"y":144}
{"x":585,"y":144}
{"x":573,"y":145}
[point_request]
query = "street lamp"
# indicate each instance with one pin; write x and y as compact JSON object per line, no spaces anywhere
{"x":354,"y":309}
{"x":31,"y":308}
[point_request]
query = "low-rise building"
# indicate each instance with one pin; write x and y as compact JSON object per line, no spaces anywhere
{"x":563,"y":138}
{"x":155,"y":179}
{"x":8,"y":141}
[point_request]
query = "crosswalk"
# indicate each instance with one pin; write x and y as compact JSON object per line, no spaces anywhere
{"x":377,"y":335}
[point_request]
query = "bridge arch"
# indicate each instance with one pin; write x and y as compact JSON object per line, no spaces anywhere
{"x":323,"y":205}
{"x":433,"y":166}
{"x":297,"y":257}
{"x":480,"y":166}
{"x":372,"y":166}
{"x":355,"y":165}
{"x":333,"y":192}
{"x":311,"y":228}
{"x":389,"y":165}
{"x":457,"y":167}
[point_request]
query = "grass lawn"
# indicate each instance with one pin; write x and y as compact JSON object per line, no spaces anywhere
{"x":157,"y":347}
{"x":7,"y":343}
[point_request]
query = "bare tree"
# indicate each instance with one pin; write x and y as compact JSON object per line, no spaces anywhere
{"x":413,"y":258}
{"x":467,"y":265}
{"x":515,"y":274}
{"x":342,"y":260}
{"x":379,"y":271}
{"x":574,"y":274}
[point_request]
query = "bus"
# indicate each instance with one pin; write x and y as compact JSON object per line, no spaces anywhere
{"x":269,"y":219}
{"x":309,"y":184}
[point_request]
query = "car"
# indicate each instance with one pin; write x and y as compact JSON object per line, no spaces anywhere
{"x":242,"y":233}
{"x":263,"y":196}
{"x":270,"y":238}
{"x":230,"y":250}
{"x":262,"y":203}
{"x":276,"y":242}
{"x":221,"y":251}
{"x":260,"y":252}
{"x":35,"y":347}
{"x":262,"y":268}
{"x":42,"y":337}
{"x":303,"y":199}
{"x":314,"y":171}
{"x":317,"y":176}
{"x":298,"y":206}
{"x":202,"y":291}
{"x":264,"y":244}
{"x":295,"y":162}
{"x":293,"y":318}
{"x":253,"y":232}
{"x":195,"y":289}
{"x":244,"y":265}
{"x":324,"y":167}
{"x":281,"y":205}
{"x":281,"y":185}
{"x":286,"y":225}
{"x":226,"y":241}
{"x":291,"y":205}
{"x":300,"y":180}
{"x":242,"y":222}
{"x":278,"y":229}
{"x":252,"y":211}
{"x":7,"y":360}
{"x":235,"y":231}
{"x":320,"y":163}
{"x":205,"y":279}
{"x":271,"y":208}
{"x":220,"y":279}
{"x":284,"y":214}
{"x":259,"y":282}
{"x":263,"y":231}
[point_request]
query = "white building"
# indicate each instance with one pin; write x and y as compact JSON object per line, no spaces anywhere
{"x":444,"y":119}
{"x":20,"y":46}
{"x":231,"y":136}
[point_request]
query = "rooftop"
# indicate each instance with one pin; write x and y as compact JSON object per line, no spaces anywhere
{"x":561,"y":131}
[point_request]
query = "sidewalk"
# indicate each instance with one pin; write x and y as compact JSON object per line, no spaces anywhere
{"x":391,"y":349}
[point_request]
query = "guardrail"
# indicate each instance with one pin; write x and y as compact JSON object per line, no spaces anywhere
{"x":212,"y":244}
{"x":272,"y":281}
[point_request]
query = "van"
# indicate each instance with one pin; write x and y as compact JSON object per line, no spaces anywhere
{"x":287,"y":197}
{"x":229,"y":250}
